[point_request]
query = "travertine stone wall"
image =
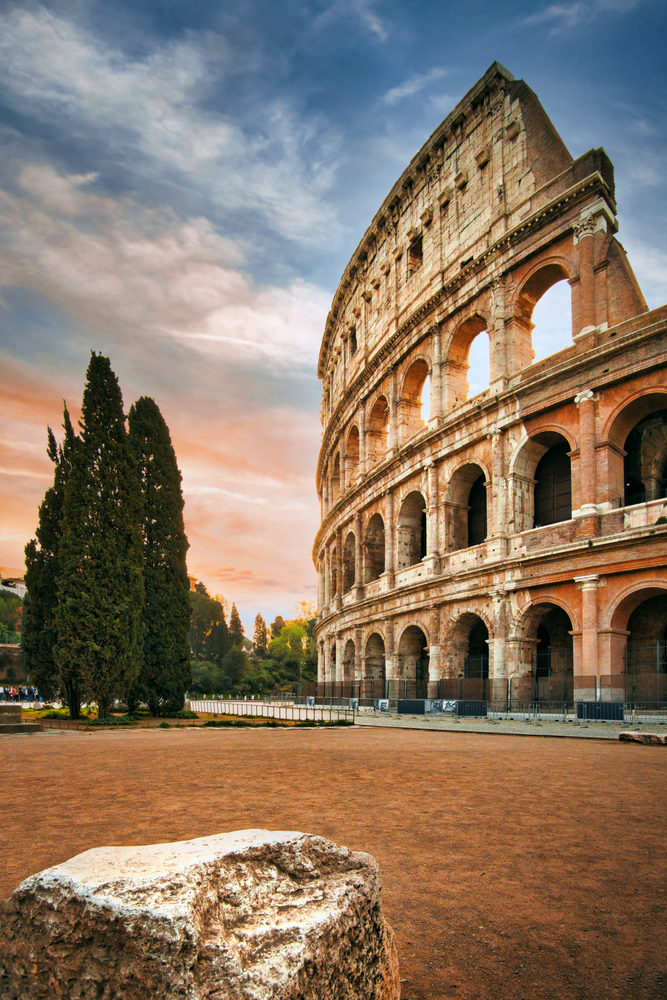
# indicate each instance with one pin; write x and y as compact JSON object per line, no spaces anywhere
{"x":489,"y":214}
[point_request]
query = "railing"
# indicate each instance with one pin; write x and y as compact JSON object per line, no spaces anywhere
{"x":285,"y":711}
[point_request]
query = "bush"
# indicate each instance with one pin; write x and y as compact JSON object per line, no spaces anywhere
{"x":184,"y":713}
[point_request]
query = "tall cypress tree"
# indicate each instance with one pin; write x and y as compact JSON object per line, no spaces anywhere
{"x":235,"y":628}
{"x":165,"y":675}
{"x":42,"y":557}
{"x":259,"y":636}
{"x":99,"y":621}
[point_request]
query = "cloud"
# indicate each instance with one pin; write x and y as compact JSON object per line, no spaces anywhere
{"x":413,"y":85}
{"x":355,"y":10}
{"x":112,"y":262}
{"x":152,"y":112}
{"x":571,"y":15}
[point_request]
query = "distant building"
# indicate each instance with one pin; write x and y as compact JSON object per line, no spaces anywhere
{"x":14,"y":586}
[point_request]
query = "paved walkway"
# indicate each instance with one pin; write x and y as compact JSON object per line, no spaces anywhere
{"x":508,"y":727}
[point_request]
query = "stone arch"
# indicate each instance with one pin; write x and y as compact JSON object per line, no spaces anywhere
{"x":413,"y":662}
{"x":374,"y":548}
{"x":546,"y":646}
{"x":459,"y":507}
{"x":377,"y":430}
{"x":638,"y":636}
{"x":634,"y":409}
{"x":333,"y":563}
{"x":456,"y":358}
{"x":348,"y":664}
{"x":411,"y":530}
{"x":409,"y":407}
{"x":542,"y":493}
{"x":467,"y":646}
{"x":349,"y":566}
{"x":537,"y":282}
{"x":352,"y":455}
{"x":375,"y":670}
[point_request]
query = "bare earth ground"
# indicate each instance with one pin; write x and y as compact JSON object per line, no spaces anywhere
{"x":513,"y":867}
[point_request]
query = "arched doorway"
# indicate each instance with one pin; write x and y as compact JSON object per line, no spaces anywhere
{"x":647,"y":638}
{"x":374,"y":668}
{"x":348,"y":563}
{"x":376,"y":435}
{"x":412,"y":545}
{"x":466,"y":508}
{"x":413,"y":662}
{"x":348,"y":671}
{"x":645,"y":463}
{"x":476,"y":662}
{"x":374,"y":548}
{"x":546,"y":665}
{"x":553,"y":485}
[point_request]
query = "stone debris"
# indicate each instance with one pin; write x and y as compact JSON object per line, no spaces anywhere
{"x":248,"y":915}
{"x":634,"y":737}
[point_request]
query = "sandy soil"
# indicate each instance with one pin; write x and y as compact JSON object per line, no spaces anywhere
{"x":513,"y":867}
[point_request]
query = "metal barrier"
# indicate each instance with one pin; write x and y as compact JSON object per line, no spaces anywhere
{"x":286,"y":710}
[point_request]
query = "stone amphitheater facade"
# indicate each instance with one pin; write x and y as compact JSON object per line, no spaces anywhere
{"x":521,"y":531}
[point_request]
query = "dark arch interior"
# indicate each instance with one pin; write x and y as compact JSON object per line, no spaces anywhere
{"x":477,"y":657}
{"x":647,"y":641}
{"x":645,"y":463}
{"x":553,"y":653}
{"x":553,"y":486}
{"x":374,"y":545}
{"x":414,"y":662}
{"x":477,"y":512}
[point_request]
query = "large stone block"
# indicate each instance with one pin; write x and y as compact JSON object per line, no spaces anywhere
{"x":253,"y":914}
{"x":653,"y":739}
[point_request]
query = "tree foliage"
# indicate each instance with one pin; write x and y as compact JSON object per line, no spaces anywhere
{"x":43,"y":566}
{"x":276,"y":625}
{"x":165,"y":674}
{"x":259,"y":636}
{"x":235,"y":628}
{"x":100,"y":590}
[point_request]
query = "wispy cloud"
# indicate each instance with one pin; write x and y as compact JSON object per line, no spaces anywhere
{"x":276,"y":163}
{"x":361,"y":11}
{"x":413,"y":85}
{"x":563,"y":16}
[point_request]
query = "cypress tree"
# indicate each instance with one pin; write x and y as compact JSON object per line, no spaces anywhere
{"x":235,"y":628}
{"x":100,"y":588}
{"x":259,"y":636}
{"x":218,"y":642}
{"x":165,"y":676}
{"x":42,"y":557}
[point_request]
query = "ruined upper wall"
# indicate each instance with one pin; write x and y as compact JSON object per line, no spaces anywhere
{"x":494,"y":161}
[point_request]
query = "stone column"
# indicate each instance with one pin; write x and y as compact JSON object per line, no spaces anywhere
{"x":497,"y":517}
{"x":583,"y":238}
{"x":436,"y":379}
{"x":393,"y":412}
{"x":497,"y":336}
{"x":320,"y":585}
{"x":321,"y":664}
{"x":358,"y":657}
{"x":587,"y":515}
{"x":339,"y":571}
{"x":361,"y":422}
{"x":358,"y":567}
{"x":389,"y":540}
{"x":339,"y":660}
{"x":327,"y":579}
{"x":389,"y":656}
{"x":589,"y":622}
{"x":432,"y":560}
{"x":434,"y":668}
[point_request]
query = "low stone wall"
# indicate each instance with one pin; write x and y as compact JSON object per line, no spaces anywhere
{"x":251,"y":915}
{"x":273,"y":710}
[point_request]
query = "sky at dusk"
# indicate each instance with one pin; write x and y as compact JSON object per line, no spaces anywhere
{"x":182,"y":184}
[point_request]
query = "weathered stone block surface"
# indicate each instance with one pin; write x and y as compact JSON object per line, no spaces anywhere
{"x":252,"y":914}
{"x":651,"y":738}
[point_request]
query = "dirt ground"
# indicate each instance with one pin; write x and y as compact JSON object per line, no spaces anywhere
{"x":513,"y":867}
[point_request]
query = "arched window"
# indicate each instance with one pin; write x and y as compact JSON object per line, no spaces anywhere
{"x":645,"y":463}
{"x":378,"y":425}
{"x":479,"y":365}
{"x":553,"y":486}
{"x":374,"y":549}
{"x":477,"y":511}
{"x":333,"y":562}
{"x":348,"y":563}
{"x":466,"y":508}
{"x":554,"y":316}
{"x":352,"y":455}
{"x":461,"y":357}
{"x":409,"y":413}
{"x":412,"y":542}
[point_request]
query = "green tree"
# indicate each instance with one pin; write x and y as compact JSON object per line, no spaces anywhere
{"x":276,"y":625}
{"x":43,"y":564}
{"x":259,"y":636}
{"x":165,"y":674}
{"x":235,"y":628}
{"x":206,"y":613}
{"x":218,"y":643}
{"x":99,"y":618}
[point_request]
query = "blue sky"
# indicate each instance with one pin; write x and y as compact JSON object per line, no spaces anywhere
{"x":182,"y":184}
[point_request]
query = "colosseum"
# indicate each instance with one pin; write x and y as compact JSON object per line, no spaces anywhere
{"x":509,"y":543}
